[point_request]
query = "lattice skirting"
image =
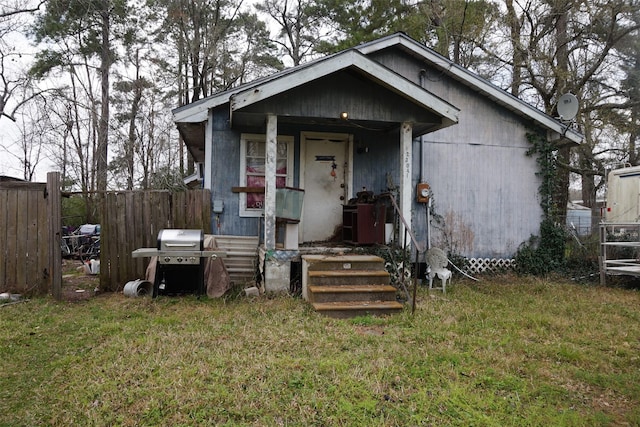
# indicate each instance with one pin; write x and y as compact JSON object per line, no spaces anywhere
{"x":489,"y":265}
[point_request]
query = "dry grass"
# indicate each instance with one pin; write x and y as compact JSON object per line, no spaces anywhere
{"x":511,"y":352}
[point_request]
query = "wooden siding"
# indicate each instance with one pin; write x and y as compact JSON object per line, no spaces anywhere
{"x":30,"y":237}
{"x":478,"y":169}
{"x":132,"y":220}
{"x":376,"y":154}
{"x":345,"y":91}
{"x":225,"y":159}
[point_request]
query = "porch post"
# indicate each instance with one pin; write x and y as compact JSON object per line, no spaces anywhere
{"x":406,"y":162}
{"x":208,"y":151}
{"x":270,"y":182}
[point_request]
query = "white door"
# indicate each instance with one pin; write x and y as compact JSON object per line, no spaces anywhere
{"x":326,"y":178}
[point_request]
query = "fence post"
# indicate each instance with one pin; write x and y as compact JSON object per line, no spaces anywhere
{"x":602,"y":258}
{"x":54,"y":209}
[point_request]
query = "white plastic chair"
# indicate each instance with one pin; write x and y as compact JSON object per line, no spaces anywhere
{"x":437,"y":263}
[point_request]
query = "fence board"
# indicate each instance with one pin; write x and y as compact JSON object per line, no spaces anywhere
{"x":133,"y":219}
{"x":24,"y":237}
{"x":118,"y":268}
{"x":3,"y":235}
{"x":129,"y":226}
{"x":138,"y":264}
{"x":107,"y":245}
{"x":11,"y":243}
{"x":33,"y":274}
{"x":50,"y":276}
{"x":53,"y":212}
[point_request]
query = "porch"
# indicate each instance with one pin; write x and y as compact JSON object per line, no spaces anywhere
{"x":338,"y":128}
{"x":333,"y":128}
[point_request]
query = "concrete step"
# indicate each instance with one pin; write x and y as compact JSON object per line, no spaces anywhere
{"x":357,"y":308}
{"x":352,"y":293}
{"x":348,"y":277}
{"x":343,"y":262}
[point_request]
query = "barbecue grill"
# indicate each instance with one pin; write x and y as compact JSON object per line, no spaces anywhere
{"x":180,"y":262}
{"x":180,"y":247}
{"x":180,"y":269}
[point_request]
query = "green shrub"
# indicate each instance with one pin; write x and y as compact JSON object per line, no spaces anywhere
{"x":582,"y":258}
{"x":544,"y":254}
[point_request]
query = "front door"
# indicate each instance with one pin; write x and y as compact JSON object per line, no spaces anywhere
{"x":326,"y":179}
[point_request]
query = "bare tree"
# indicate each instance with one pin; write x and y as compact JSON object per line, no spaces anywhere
{"x":15,"y":84}
{"x":215,"y":45}
{"x":75,"y":29}
{"x":25,"y":152}
{"x":574,"y":46}
{"x":301,"y":26}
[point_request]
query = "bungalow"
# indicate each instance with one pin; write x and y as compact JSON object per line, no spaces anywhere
{"x":388,"y":116}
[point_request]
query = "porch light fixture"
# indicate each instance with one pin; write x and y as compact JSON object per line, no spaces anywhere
{"x":344,"y":115}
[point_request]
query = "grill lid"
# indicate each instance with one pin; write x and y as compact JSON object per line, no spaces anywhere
{"x":180,"y":240}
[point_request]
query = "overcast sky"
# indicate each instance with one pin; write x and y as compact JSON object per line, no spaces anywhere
{"x":9,"y":130}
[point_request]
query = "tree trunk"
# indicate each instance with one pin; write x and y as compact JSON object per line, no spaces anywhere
{"x":564,"y":153}
{"x":103,"y":127}
{"x":135,"y":107}
{"x":634,"y":121}
{"x":516,"y":45}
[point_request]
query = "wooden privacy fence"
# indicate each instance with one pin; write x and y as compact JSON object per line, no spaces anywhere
{"x":30,"y":233}
{"x":132,"y":220}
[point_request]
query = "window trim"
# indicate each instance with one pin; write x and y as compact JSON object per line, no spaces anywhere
{"x":244,"y":138}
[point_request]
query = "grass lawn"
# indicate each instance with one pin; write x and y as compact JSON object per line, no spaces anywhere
{"x":502,"y":352}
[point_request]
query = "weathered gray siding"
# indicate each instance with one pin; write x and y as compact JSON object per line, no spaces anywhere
{"x":483,"y":182}
{"x":375,"y":155}
{"x":344,"y":91}
{"x":485,"y":187}
{"x":225,"y":158}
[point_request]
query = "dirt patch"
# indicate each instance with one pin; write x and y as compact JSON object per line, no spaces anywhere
{"x":77,"y":285}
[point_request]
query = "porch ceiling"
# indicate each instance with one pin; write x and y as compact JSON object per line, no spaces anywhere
{"x":194,"y":133}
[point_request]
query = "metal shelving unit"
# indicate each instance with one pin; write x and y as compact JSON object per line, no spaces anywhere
{"x":619,"y":249}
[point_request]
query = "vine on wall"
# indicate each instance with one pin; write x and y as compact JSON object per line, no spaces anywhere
{"x":544,"y":253}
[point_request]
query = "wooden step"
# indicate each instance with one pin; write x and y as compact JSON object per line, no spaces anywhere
{"x":352,"y":293}
{"x":357,"y":308}
{"x":348,"y":277}
{"x":348,"y":285}
{"x":343,"y":262}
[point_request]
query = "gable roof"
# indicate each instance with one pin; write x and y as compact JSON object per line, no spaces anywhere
{"x":256,"y":91}
{"x":473,"y":81}
{"x":358,"y":58}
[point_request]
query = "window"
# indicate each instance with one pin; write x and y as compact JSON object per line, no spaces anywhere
{"x":252,"y":168}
